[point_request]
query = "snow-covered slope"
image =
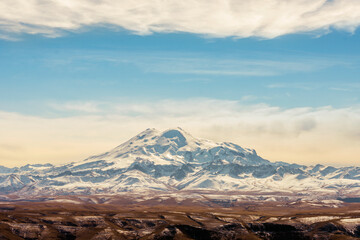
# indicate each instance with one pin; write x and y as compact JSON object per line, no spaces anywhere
{"x":176,"y":147}
{"x":174,"y":160}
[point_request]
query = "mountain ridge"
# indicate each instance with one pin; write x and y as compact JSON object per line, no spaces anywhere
{"x":174,"y":160}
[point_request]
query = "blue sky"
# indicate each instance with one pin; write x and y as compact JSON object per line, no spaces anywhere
{"x":80,"y":77}
{"x":102,"y":65}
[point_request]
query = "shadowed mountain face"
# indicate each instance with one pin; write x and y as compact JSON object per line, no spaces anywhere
{"x":174,"y":160}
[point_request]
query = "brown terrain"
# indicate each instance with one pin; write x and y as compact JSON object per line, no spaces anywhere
{"x":119,"y":217}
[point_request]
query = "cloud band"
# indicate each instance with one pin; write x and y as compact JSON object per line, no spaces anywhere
{"x":216,"y":18}
{"x":303,"y":135}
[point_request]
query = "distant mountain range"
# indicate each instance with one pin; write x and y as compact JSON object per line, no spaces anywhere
{"x":175,"y":161}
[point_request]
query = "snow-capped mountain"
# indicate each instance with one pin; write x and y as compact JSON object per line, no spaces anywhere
{"x":174,"y":160}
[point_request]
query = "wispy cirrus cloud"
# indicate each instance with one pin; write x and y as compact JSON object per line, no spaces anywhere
{"x":85,"y":107}
{"x":342,"y":86}
{"x":233,"y":67}
{"x":199,"y":64}
{"x":215,"y":18}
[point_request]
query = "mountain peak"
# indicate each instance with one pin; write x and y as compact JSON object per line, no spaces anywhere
{"x":147,"y":132}
{"x":173,"y":159}
{"x":176,"y":147}
{"x":177,"y":136}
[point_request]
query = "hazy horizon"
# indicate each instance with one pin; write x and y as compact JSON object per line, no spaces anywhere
{"x":78,"y":79}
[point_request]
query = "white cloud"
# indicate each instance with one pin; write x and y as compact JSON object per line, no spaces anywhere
{"x":200,"y":64}
{"x":303,"y":135}
{"x":87,"y":107}
{"x":219,"y":18}
{"x":233,"y":67}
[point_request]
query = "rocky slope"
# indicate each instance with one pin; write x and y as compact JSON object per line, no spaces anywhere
{"x":101,"y":221}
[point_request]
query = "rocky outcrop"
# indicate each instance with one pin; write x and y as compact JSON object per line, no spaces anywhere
{"x":72,"y":224}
